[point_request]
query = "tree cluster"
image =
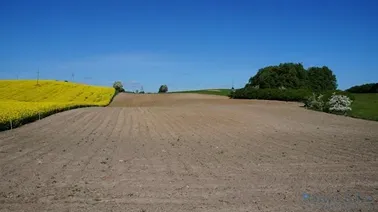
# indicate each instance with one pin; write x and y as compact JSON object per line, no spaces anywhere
{"x":294,"y":76}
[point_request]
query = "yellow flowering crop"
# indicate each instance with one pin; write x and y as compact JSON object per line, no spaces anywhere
{"x":22,"y":99}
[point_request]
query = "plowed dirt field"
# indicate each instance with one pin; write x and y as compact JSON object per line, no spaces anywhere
{"x":190,"y":152}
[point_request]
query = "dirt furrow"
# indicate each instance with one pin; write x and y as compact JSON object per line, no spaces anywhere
{"x":190,"y":152}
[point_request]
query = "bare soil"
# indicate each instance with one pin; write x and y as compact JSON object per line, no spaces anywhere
{"x":190,"y":152}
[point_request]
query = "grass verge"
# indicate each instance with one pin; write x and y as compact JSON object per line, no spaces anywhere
{"x":365,"y":106}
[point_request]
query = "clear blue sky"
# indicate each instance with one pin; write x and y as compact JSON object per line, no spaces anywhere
{"x":186,"y":44}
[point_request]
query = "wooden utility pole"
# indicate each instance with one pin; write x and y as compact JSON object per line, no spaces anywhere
{"x":38,"y":77}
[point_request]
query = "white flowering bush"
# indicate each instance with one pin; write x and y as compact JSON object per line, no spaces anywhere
{"x":315,"y":102}
{"x":339,"y":104}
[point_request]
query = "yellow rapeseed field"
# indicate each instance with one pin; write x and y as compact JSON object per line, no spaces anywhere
{"x":23,"y":99}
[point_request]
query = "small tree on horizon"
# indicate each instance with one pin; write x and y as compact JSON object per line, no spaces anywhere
{"x":118,"y":86}
{"x":163,"y":89}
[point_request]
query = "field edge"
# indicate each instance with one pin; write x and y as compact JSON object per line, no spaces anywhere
{"x":27,"y":120}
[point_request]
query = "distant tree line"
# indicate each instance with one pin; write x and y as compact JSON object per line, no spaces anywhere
{"x":365,"y":88}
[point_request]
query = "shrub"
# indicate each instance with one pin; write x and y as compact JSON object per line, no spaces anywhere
{"x":331,"y":101}
{"x":163,"y":89}
{"x":299,"y":95}
{"x":315,"y":102}
{"x":328,"y":94}
{"x":339,"y":104}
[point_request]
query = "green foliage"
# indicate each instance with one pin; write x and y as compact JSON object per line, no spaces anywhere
{"x":118,"y":86}
{"x":163,"y":89}
{"x":365,"y":88}
{"x":321,"y":79}
{"x":294,"y":76}
{"x":374,"y":89}
{"x":299,"y":95}
{"x":288,"y":75}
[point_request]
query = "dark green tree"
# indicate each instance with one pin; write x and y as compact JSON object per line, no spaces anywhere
{"x":288,"y":75}
{"x":374,"y":89}
{"x":321,"y":79}
{"x":163,"y":89}
{"x":118,"y":86}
